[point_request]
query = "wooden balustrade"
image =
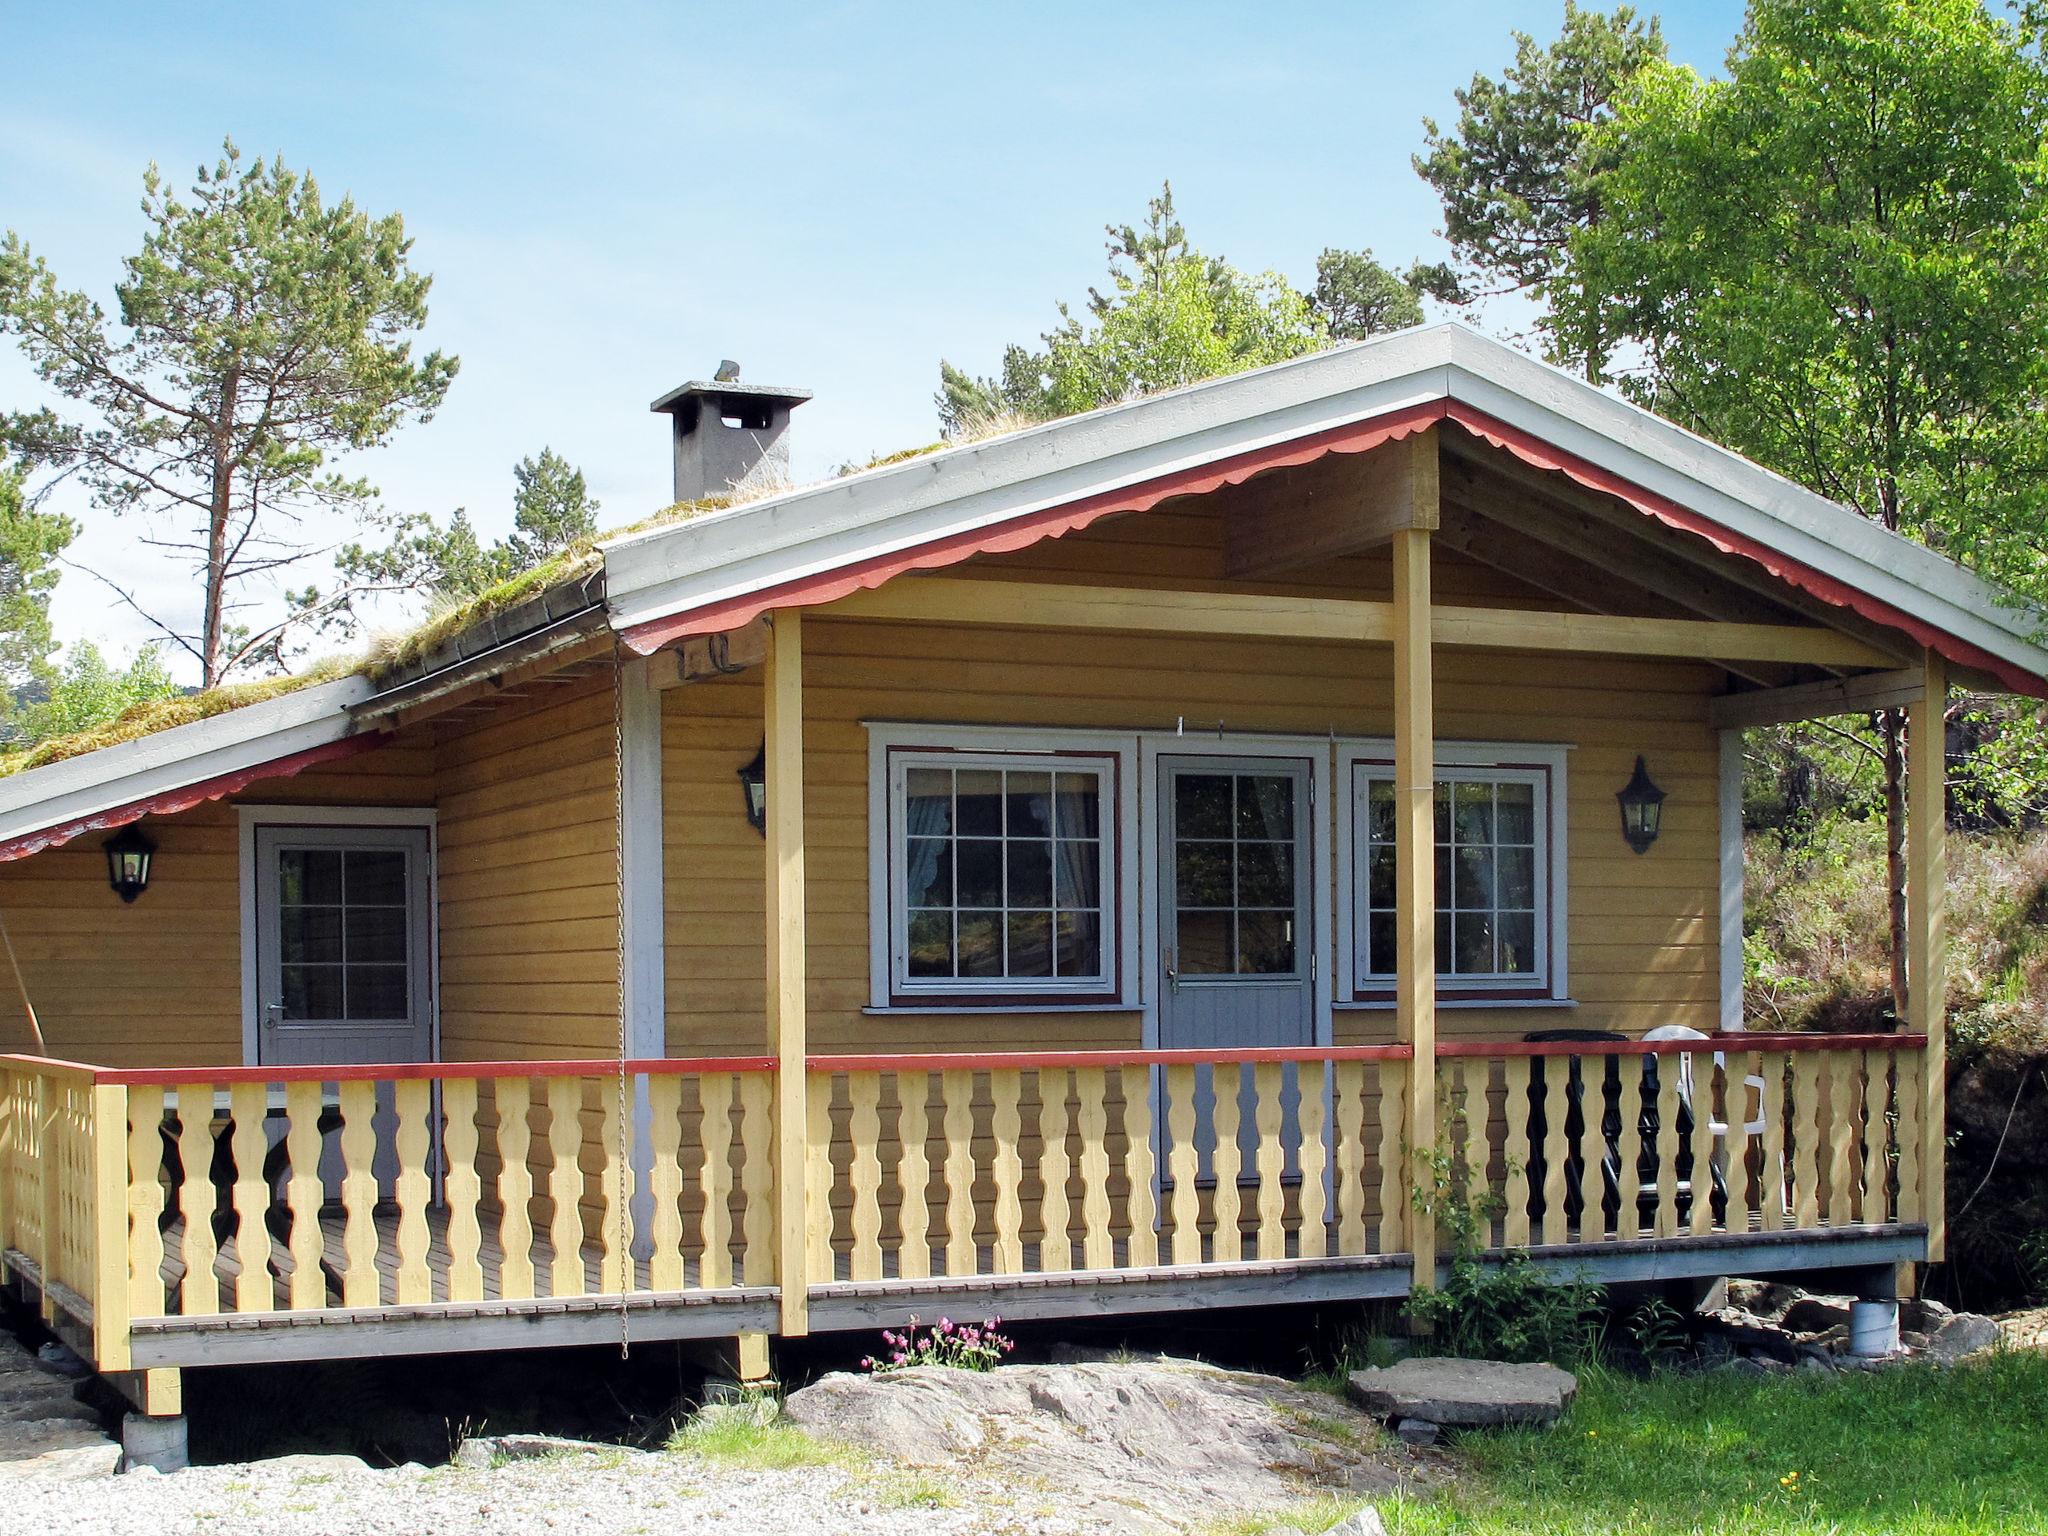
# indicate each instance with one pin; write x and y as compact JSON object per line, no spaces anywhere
{"x":1604,"y":1142}
{"x":1015,"y":1163}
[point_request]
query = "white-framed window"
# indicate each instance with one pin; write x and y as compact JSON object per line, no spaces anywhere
{"x":996,"y":867}
{"x":1498,"y":817}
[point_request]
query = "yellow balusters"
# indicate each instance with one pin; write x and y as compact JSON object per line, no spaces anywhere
{"x":1700,"y":1219}
{"x":1771,"y":1196}
{"x":1140,"y":1167}
{"x":1092,"y":1121}
{"x":818,"y":1261}
{"x":615,"y":1237}
{"x":360,"y":1285}
{"x":199,"y":1292}
{"x":1183,"y":1164}
{"x":1911,"y":1068}
{"x":1515,"y":1154}
{"x":1808,"y":1130}
{"x":1844,"y":1111}
{"x":1874,"y":1131}
{"x":1628,"y":1155}
{"x":956,"y":1089}
{"x":565,"y":1185}
{"x":757,"y":1178}
{"x":145,"y":1202}
{"x":513,"y":1098}
{"x":914,"y":1174}
{"x":1394,"y":1162}
{"x":714,"y":1264}
{"x":1006,"y":1088}
{"x":1666,"y":1215}
{"x":1227,"y":1241}
{"x":1557,"y":1149}
{"x":462,"y":1190}
{"x":1349,"y":1092}
{"x":1312,"y":1238}
{"x":864,"y":1175}
{"x":1055,"y":1251}
{"x":414,"y":1100}
{"x":1269,"y":1241}
{"x":665,"y":1182}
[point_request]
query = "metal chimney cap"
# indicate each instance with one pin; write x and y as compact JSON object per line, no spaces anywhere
{"x":708,"y":389}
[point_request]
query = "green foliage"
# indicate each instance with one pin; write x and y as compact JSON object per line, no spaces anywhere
{"x":1173,"y":316}
{"x":1908,"y":1451}
{"x":87,"y":693}
{"x":1495,"y":1307}
{"x":30,"y":543}
{"x":552,"y":509}
{"x":1836,"y":261}
{"x":1521,"y":175}
{"x":1658,"y":1330}
{"x":737,"y":1437}
{"x":962,"y":1346}
{"x":260,"y":331}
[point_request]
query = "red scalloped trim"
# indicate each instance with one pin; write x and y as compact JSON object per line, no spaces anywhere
{"x":171,"y":801}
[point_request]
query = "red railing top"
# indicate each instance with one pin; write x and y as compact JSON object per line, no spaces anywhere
{"x":941,"y":1061}
{"x":1734,"y":1041}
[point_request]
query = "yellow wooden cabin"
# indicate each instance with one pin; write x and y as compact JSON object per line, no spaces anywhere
{"x":1114,"y":867}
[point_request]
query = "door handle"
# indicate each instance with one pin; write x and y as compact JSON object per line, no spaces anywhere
{"x":1166,"y":960}
{"x":272,"y":1012}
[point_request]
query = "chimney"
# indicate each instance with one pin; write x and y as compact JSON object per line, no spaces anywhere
{"x":727,"y":435}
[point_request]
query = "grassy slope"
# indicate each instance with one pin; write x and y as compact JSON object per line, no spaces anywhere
{"x":1909,"y":1452}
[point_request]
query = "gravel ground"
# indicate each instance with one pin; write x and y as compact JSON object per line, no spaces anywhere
{"x":608,"y":1494}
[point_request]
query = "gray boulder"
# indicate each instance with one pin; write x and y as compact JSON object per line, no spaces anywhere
{"x":1465,"y":1393}
{"x":1960,"y":1336}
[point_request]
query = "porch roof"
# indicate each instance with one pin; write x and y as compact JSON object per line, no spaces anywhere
{"x":812,"y":546}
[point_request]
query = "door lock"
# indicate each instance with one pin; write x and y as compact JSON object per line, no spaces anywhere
{"x":272,"y":1013}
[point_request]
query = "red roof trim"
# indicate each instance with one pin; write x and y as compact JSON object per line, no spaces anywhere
{"x":1020,"y":532}
{"x":171,"y":801}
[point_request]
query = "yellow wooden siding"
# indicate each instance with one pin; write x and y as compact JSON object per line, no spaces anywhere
{"x":159,"y":982}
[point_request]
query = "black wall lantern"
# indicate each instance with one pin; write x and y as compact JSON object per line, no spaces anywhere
{"x":1642,"y":809}
{"x":128,"y":856}
{"x":754,"y":785}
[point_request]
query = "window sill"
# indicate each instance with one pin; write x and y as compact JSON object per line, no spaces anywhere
{"x":902,"y":1010}
{"x":1445,"y":1004}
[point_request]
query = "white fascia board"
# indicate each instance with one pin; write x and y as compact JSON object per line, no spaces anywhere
{"x":1741,"y":496}
{"x":167,"y":760}
{"x":962,"y":490}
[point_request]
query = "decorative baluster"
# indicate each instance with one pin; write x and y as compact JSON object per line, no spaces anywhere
{"x":414,"y":1102}
{"x":1141,"y":1170}
{"x":1349,"y":1093}
{"x":565,"y":1185}
{"x":757,"y":1178}
{"x":1628,"y":1156}
{"x":199,"y":1293}
{"x":1227,"y":1242}
{"x":512,"y":1098}
{"x":1515,"y":1154}
{"x":1808,"y":1132}
{"x":145,"y":1201}
{"x":864,"y":1174}
{"x":1055,"y":1249}
{"x":819,"y":1264}
{"x":665,"y":1182}
{"x":462,"y":1189}
{"x":1909,"y":1069}
{"x":1776,"y":1106}
{"x":1312,"y":1238}
{"x":1870,"y":1203}
{"x":1668,"y":1100}
{"x":1269,"y":1241}
{"x":247,"y":1146}
{"x":1091,"y":1090}
{"x":956,"y":1089}
{"x":1842,"y":1126}
{"x":1006,"y":1087}
{"x":1701,"y":1216}
{"x":1395,"y":1162}
{"x":1183,"y":1164}
{"x":361,"y":1286}
{"x":914,"y":1173}
{"x":615,"y":1235}
{"x":714,"y":1264}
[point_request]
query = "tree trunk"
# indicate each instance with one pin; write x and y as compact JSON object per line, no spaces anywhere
{"x":222,"y":505}
{"x":1891,"y":727}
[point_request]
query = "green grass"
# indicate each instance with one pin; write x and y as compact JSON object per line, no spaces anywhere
{"x":1905,"y":1452}
{"x":911,"y":1490}
{"x":735,"y":1440}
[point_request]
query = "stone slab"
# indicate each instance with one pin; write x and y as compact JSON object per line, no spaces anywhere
{"x":1465,"y":1393}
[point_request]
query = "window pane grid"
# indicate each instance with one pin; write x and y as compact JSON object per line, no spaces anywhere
{"x":1234,"y":879}
{"x":343,"y":933}
{"x":1001,"y":873}
{"x":1488,"y":897}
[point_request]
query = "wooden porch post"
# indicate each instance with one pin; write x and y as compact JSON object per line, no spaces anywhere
{"x":783,"y":707}
{"x":1415,"y":870}
{"x":1927,"y":931}
{"x":110,"y":1227}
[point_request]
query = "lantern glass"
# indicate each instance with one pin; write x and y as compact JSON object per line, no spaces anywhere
{"x":754,"y":786}
{"x":129,"y":854}
{"x":1642,"y":809}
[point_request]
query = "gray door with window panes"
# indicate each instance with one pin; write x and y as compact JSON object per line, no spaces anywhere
{"x":343,"y":971}
{"x":1236,"y":924}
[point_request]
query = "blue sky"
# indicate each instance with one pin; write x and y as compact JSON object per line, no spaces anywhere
{"x":612,"y":198}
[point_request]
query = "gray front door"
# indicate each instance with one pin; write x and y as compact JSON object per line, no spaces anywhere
{"x":1236,"y":917}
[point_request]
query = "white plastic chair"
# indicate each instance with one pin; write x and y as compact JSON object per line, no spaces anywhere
{"x":1751,"y":1128}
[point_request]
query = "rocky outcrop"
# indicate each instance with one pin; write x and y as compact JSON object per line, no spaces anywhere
{"x":1464,"y":1394}
{"x":46,"y":1434}
{"x":1146,"y":1446}
{"x":1769,"y":1326}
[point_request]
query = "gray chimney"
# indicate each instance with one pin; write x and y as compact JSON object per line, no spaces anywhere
{"x":728,"y":436}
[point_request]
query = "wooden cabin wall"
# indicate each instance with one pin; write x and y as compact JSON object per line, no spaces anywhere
{"x":159,"y":982}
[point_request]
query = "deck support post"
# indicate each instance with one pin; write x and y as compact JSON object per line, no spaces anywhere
{"x":110,"y":1296}
{"x":783,"y":701}
{"x":643,"y":1004}
{"x":1415,"y":878}
{"x":1927,"y":930}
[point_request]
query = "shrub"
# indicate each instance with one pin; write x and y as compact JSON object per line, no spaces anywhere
{"x":963,"y":1346}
